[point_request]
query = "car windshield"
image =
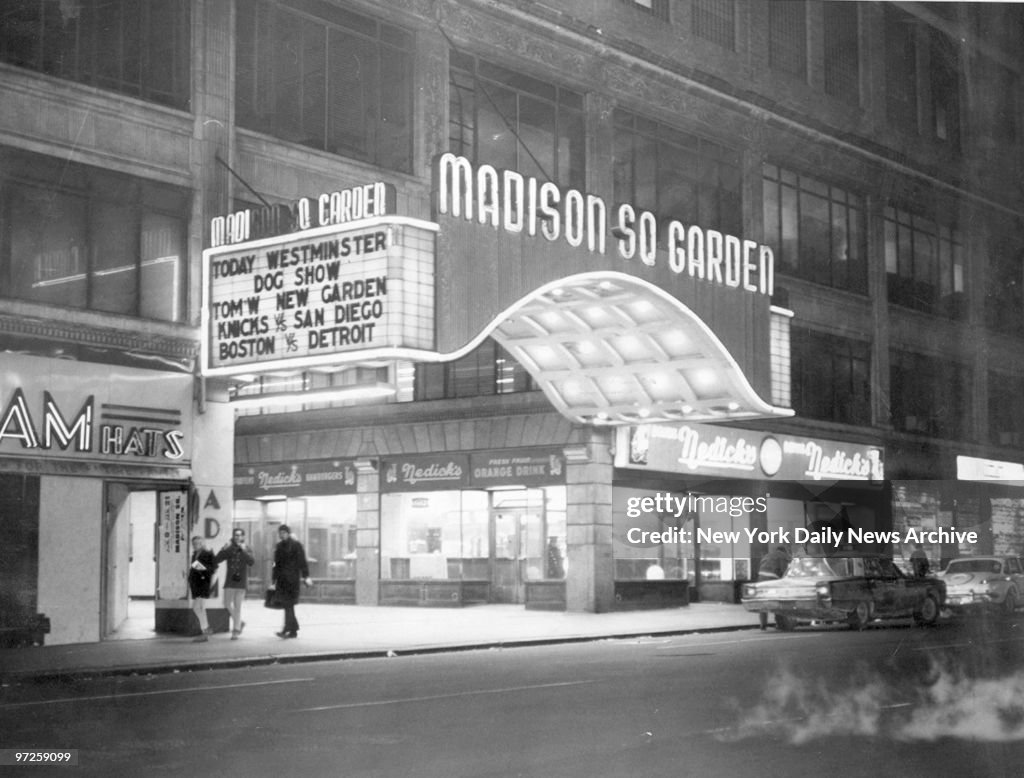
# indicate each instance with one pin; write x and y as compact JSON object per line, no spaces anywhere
{"x":818,"y":567}
{"x":973,"y":566}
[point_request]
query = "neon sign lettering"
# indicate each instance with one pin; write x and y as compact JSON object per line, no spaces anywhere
{"x":516,"y":203}
{"x":79,"y":435}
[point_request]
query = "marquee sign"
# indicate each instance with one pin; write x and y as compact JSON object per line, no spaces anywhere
{"x":319,"y":296}
{"x":704,"y":449}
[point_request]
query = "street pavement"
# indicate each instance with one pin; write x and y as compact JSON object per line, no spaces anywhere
{"x":336,"y":632}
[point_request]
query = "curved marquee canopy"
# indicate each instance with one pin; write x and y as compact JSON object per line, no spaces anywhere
{"x":610,"y":348}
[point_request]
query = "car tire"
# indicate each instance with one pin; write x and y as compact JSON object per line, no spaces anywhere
{"x":785,"y":623}
{"x":1010,"y":604}
{"x":859,"y":617}
{"x":928,"y":612}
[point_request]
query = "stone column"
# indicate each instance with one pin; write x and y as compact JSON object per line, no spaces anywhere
{"x":367,"y":532}
{"x":590,"y":577}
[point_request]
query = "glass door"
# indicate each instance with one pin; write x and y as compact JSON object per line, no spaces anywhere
{"x":517,"y":542}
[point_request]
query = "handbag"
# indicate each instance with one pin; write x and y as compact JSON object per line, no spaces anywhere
{"x":272,"y":600}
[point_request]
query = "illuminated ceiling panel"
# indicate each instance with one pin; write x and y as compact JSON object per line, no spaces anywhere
{"x":609,"y":348}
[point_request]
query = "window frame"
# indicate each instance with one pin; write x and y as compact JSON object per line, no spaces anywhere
{"x":818,"y":360}
{"x":79,"y":54}
{"x":258,"y":89}
{"x":718,"y":205}
{"x":840,"y":202}
{"x":130,"y":200}
{"x":905,"y":282}
{"x":475,"y":82}
{"x":936,"y":390}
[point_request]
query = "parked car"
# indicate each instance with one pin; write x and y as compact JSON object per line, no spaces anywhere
{"x":854,"y":588}
{"x":984,"y":583}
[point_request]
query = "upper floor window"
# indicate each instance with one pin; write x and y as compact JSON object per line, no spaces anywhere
{"x":787,"y":36}
{"x":327,"y":78}
{"x":1006,"y":410}
{"x":817,"y":229}
{"x":901,"y":69}
{"x":516,"y":122}
{"x":944,"y":73}
{"x":831,"y":377}
{"x":82,"y":237}
{"x":998,"y":113}
{"x":842,"y":51}
{"x":929,"y":395}
{"x":924,"y":261}
{"x":657,"y":8}
{"x":715,"y":20}
{"x":487,"y":370}
{"x":1004,"y":311}
{"x":136,"y":48}
{"x":676,"y":175}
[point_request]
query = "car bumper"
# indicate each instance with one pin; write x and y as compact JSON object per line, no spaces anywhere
{"x":973,"y":600}
{"x":801,"y":609}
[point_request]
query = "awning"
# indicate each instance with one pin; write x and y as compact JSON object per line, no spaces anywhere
{"x":610,"y":348}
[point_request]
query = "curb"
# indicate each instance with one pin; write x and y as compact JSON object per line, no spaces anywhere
{"x":88,"y":673}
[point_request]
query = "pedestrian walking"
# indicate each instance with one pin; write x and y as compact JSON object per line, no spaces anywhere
{"x":919,"y":561}
{"x":239,"y":558}
{"x":290,"y":571}
{"x":200,"y":574}
{"x":773,"y":565}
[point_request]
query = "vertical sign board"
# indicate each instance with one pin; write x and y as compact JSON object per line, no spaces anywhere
{"x":322,"y":296}
{"x":172,"y":545}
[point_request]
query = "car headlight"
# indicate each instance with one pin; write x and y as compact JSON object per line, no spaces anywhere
{"x":749,"y":591}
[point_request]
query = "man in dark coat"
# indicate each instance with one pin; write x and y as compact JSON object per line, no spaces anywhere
{"x":200,"y":574}
{"x":290,"y":571}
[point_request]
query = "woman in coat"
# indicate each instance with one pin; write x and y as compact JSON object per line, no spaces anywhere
{"x":290,"y":571}
{"x":200,"y":574}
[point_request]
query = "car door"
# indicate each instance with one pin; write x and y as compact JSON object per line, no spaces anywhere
{"x":885,"y":590}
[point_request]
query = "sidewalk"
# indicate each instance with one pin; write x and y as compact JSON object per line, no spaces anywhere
{"x":333,"y":632}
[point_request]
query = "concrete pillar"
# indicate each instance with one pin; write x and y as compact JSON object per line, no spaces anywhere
{"x":367,"y":532}
{"x":590,"y":578}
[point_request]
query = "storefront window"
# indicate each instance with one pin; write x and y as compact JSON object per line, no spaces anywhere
{"x":640,"y":556}
{"x":714,"y":534}
{"x":325,"y":525}
{"x":505,"y":536}
{"x":434,"y":535}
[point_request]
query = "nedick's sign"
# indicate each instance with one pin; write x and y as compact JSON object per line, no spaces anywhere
{"x":510,"y":201}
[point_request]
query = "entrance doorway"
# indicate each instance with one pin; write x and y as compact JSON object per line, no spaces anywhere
{"x":517,"y":542}
{"x":142,"y":561}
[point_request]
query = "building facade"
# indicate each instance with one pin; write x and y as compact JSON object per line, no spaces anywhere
{"x":580,"y":307}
